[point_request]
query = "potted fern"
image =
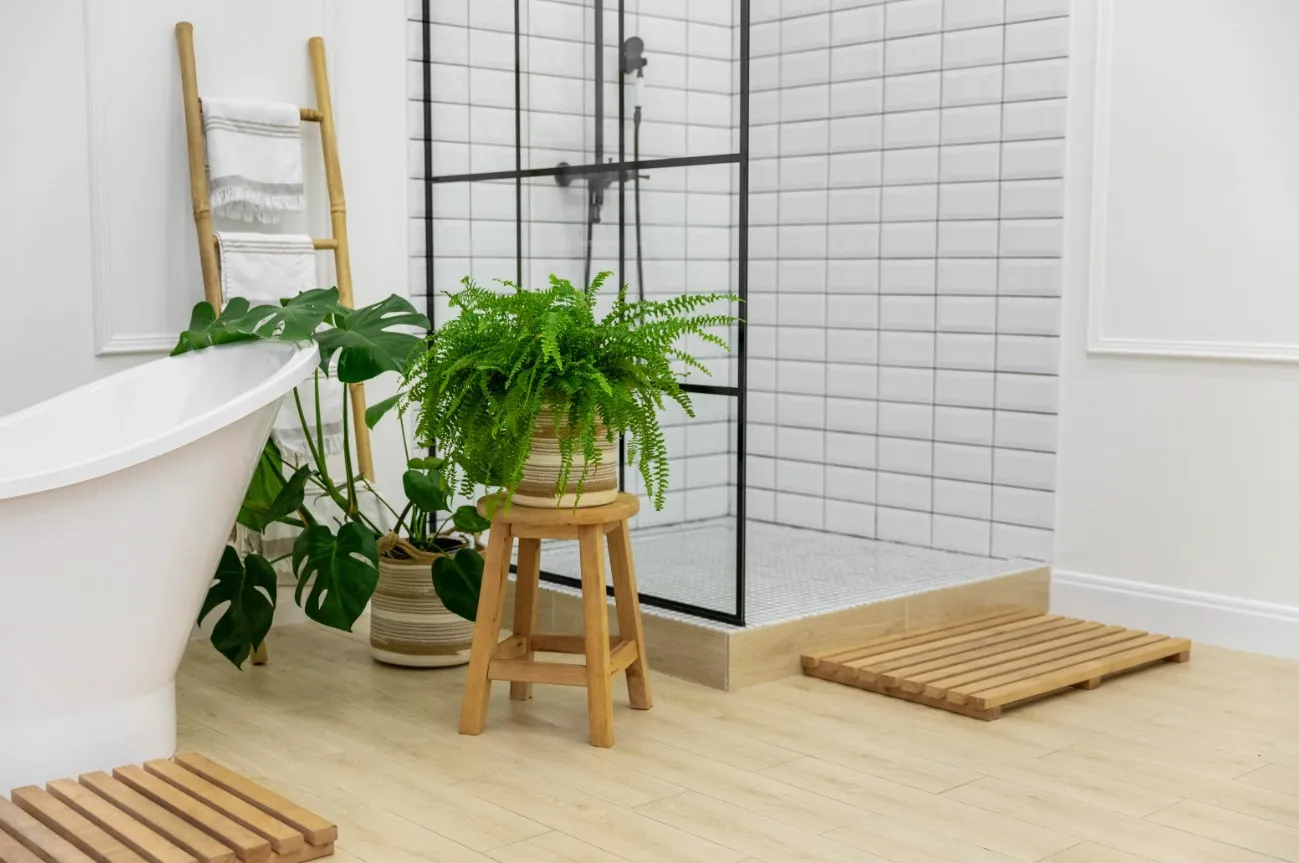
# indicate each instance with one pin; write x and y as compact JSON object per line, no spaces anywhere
{"x":343,"y":557}
{"x":527,"y":392}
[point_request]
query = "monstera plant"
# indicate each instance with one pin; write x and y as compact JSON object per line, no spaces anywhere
{"x":336,"y":566}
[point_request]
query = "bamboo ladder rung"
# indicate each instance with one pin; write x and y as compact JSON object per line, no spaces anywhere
{"x":307,"y":115}
{"x":997,"y":660}
{"x":204,"y":813}
{"x":321,"y":244}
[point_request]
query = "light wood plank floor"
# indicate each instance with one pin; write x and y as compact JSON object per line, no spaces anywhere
{"x":1179,"y":764}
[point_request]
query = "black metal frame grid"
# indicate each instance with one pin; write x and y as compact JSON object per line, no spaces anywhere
{"x":621,"y":169}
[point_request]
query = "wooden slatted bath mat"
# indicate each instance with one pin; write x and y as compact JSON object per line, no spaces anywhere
{"x":188,"y":810}
{"x":982,"y":665}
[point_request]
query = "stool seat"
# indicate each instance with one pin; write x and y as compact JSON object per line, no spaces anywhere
{"x":513,"y":659}
{"x":493,"y":506}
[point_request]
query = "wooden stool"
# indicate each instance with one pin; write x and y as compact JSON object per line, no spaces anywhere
{"x":512,"y":659}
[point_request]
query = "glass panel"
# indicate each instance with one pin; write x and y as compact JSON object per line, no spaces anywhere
{"x":685,"y":552}
{"x":680,"y":225}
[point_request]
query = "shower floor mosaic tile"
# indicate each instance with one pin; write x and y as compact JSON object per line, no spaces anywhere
{"x":791,"y":573}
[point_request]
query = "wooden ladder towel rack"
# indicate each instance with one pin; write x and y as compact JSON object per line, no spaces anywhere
{"x":323,"y":114}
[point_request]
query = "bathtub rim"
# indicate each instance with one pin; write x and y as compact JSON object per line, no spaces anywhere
{"x":301,"y":360}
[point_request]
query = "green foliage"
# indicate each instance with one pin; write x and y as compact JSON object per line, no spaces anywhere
{"x":341,"y":572}
{"x":366,"y":343}
{"x":336,"y":570}
{"x":248,"y":586}
{"x":457,"y":580}
{"x":489,"y":373}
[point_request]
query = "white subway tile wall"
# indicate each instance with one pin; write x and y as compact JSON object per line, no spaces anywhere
{"x":917,"y":234}
{"x":906,"y":210}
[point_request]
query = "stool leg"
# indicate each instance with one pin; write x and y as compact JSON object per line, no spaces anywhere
{"x":630,"y":627}
{"x":526,"y":586}
{"x":487,"y":628}
{"x":595,"y":624}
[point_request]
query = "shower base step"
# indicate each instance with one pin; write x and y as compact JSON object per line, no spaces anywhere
{"x":729,"y":657}
{"x":187,"y":810}
{"x":996,"y":660}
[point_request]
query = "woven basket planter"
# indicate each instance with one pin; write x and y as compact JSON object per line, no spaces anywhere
{"x":409,"y":625}
{"x":541,"y":472}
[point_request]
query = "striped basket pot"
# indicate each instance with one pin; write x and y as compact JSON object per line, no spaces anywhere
{"x":541,"y":472}
{"x":409,"y":625}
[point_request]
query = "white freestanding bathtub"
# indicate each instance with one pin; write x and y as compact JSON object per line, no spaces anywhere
{"x":116,"y":500}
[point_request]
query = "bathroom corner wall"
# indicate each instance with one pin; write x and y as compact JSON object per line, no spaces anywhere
{"x":907,"y":223}
{"x":687,"y":213}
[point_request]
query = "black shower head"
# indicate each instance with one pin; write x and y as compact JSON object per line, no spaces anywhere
{"x":633,"y":56}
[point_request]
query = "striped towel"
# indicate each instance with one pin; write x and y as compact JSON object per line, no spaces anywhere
{"x":263,"y":268}
{"x":254,"y":154}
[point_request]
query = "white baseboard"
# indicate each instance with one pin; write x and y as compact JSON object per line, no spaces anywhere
{"x":1209,"y":618}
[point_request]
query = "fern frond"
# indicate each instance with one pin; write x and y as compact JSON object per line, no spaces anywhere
{"x":488,"y":373}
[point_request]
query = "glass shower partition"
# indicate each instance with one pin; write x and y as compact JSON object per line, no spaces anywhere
{"x":578,"y":137}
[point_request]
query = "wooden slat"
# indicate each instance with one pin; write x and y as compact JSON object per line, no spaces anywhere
{"x":562,"y":673}
{"x":36,"y":837}
{"x":1027,"y":670}
{"x":1113,"y":635}
{"x":117,"y":823}
{"x":158,"y":819}
{"x":283,"y":838}
{"x":1035,"y":639}
{"x":920,"y":651}
{"x":1135,"y":653}
{"x":317,"y":830}
{"x":72,"y":826}
{"x":623,"y":655}
{"x":552,"y":642}
{"x":13,"y":851}
{"x":916,"y":677}
{"x":845,"y":653}
{"x":511,"y":648}
{"x":248,"y":846}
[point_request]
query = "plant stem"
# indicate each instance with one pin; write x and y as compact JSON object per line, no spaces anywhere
{"x":404,"y":445}
{"x":347,"y":460}
{"x":306,"y":434}
{"x":401,"y":519}
{"x":330,"y":491}
{"x":320,"y":432}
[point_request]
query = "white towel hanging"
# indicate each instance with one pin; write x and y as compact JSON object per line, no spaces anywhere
{"x":254,"y":155}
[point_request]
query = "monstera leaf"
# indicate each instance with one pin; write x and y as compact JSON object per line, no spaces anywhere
{"x":260,"y":508}
{"x":342,"y":572}
{"x":467,"y":520}
{"x":369,"y":341}
{"x":248,"y":586}
{"x":426,"y":489}
{"x":238,"y":323}
{"x":457,"y":581}
{"x":296,"y":319}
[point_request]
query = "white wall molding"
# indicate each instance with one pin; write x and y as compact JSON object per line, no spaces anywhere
{"x":101,"y":277}
{"x":1098,"y":341}
{"x":1210,"y":618}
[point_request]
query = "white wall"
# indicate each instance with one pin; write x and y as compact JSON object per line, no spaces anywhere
{"x":1178,"y":503}
{"x":96,"y":235}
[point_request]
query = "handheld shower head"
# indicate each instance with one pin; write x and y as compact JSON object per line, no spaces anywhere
{"x":633,"y":56}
